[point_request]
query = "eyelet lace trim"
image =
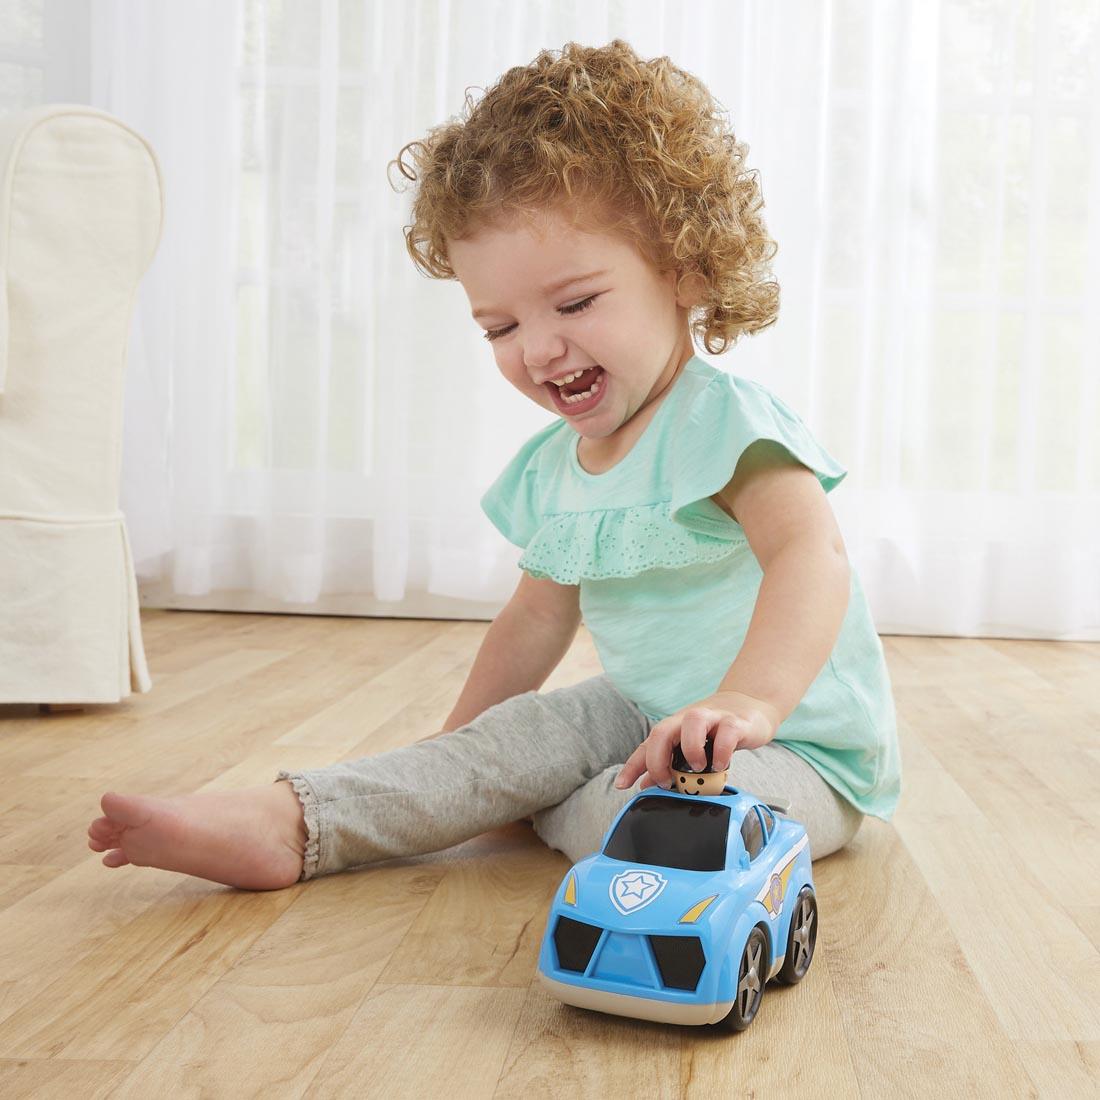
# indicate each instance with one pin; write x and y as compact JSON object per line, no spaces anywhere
{"x":618,"y":542}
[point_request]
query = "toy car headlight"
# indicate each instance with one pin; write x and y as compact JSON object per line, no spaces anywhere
{"x":696,"y":911}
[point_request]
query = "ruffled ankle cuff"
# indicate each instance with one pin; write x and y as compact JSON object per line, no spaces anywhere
{"x":308,"y":800}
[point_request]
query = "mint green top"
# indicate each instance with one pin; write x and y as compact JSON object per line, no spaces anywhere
{"x":668,"y":581}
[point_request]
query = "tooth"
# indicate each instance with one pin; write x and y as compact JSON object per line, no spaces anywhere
{"x":577,"y":397}
{"x":570,"y":377}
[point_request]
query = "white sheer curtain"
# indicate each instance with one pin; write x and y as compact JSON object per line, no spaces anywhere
{"x":310,"y":422}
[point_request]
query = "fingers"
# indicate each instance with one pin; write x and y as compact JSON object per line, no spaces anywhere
{"x":693,"y":737}
{"x":656,"y":754}
{"x":640,"y":760}
{"x":657,"y":759}
{"x":690,"y":732}
{"x":632,"y":768}
{"x":727,"y":734}
{"x":652,"y":758}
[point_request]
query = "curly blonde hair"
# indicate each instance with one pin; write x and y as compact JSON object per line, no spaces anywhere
{"x":638,"y":148}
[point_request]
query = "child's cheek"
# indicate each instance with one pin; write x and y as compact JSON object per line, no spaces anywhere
{"x":522,"y":382}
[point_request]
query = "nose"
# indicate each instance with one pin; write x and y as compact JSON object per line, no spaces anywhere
{"x":541,"y":347}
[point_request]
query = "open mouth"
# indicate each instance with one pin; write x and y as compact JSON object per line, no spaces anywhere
{"x":582,"y":393}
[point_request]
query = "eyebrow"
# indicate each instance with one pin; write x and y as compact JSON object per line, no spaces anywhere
{"x":561,"y":284}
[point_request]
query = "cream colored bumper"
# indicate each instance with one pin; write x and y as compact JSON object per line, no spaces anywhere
{"x":641,"y":1008}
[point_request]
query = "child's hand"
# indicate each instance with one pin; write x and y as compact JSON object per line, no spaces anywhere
{"x":736,"y":721}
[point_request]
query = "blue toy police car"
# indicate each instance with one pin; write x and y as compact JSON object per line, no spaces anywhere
{"x":694,"y":903}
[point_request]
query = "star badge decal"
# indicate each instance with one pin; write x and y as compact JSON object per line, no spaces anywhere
{"x":631,"y":890}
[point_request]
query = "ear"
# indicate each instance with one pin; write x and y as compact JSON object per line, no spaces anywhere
{"x":690,"y":289}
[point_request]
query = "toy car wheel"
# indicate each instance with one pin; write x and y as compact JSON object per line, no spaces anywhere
{"x":801,"y":938}
{"x":751,"y":975}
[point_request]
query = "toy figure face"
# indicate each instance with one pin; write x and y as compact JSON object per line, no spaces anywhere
{"x":698,"y":782}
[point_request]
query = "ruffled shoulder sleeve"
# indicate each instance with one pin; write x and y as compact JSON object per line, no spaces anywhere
{"x":722,"y":421}
{"x":514,"y":502}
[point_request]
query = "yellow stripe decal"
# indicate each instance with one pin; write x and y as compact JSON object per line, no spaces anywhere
{"x":696,"y":910}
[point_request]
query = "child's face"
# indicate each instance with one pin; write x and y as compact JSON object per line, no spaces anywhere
{"x":634,"y":328}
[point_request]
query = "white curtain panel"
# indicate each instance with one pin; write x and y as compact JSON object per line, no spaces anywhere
{"x":310,"y":422}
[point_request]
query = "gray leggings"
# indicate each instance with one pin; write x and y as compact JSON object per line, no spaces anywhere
{"x":552,"y":756}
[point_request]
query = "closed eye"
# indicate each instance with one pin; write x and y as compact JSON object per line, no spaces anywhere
{"x":576,"y":307}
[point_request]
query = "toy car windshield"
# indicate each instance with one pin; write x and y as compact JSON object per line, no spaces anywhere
{"x":672,"y":832}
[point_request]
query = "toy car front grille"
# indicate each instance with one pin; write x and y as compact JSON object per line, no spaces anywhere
{"x":680,"y":960}
{"x":575,"y":941}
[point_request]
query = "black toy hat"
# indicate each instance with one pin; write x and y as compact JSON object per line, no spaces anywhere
{"x":680,"y":762}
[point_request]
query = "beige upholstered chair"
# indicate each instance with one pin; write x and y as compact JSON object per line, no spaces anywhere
{"x":80,"y":220}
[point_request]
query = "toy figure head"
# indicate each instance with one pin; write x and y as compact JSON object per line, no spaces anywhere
{"x":687,"y":781}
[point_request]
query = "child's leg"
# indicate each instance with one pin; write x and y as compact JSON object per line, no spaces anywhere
{"x":525,"y":753}
{"x":515,"y":758}
{"x":576,"y":825}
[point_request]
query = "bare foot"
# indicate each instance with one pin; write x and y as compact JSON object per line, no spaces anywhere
{"x":253,"y":838}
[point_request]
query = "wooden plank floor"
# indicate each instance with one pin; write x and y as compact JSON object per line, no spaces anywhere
{"x":959,"y":950}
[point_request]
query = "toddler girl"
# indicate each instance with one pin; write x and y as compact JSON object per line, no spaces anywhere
{"x":596,"y":210}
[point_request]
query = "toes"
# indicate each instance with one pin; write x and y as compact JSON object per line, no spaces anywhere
{"x":103,"y":834}
{"x":125,"y":809}
{"x":99,"y":843}
{"x":115,"y":858}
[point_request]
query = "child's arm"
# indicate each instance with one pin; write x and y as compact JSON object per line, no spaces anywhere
{"x":799,"y":610}
{"x":521,"y":648}
{"x":803,"y":597}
